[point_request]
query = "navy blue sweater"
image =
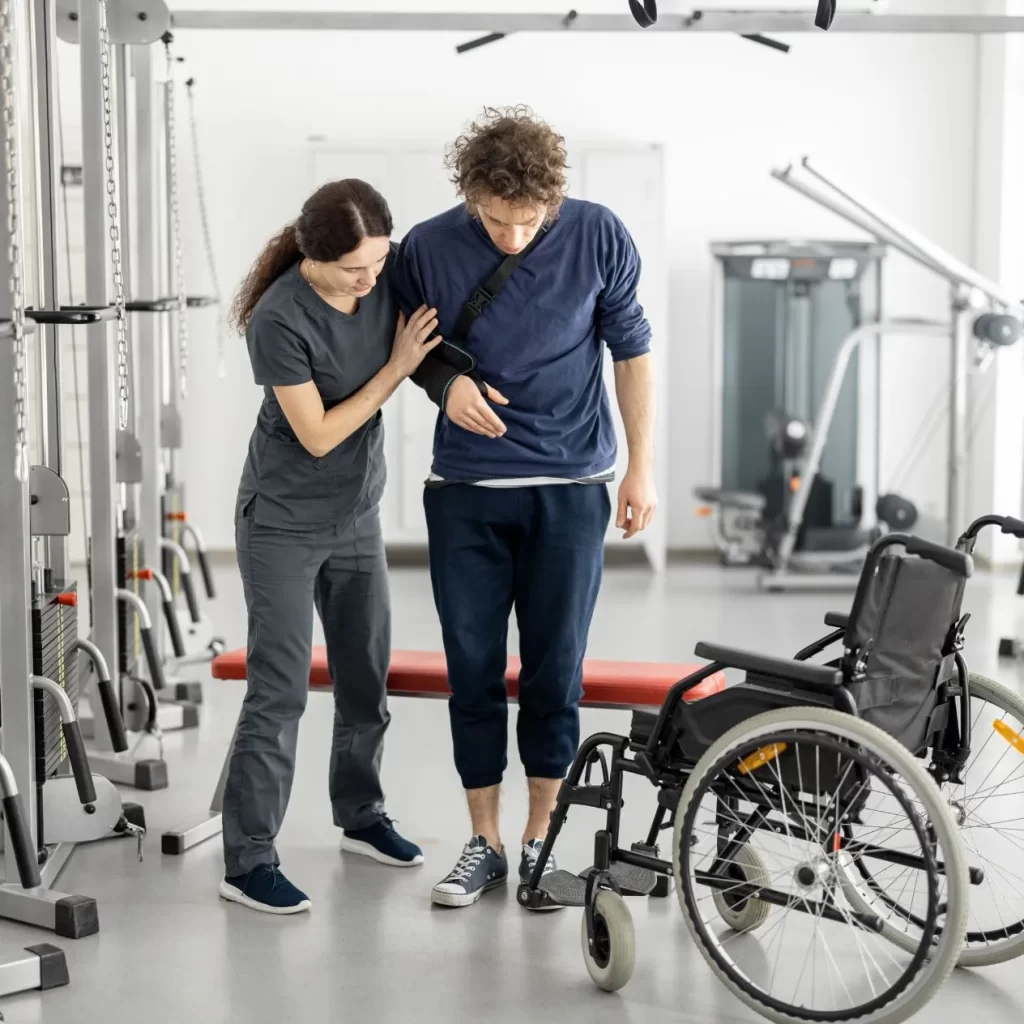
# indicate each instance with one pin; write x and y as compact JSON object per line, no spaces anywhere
{"x":539,"y":342}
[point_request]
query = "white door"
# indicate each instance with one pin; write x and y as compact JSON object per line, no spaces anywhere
{"x":629,"y":182}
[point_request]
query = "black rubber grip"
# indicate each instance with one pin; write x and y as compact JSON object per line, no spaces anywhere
{"x":112,"y":713}
{"x":171,"y":615}
{"x":190,"y":597}
{"x":156,"y":670}
{"x":151,"y":701}
{"x":24,"y":855}
{"x":79,"y":762}
{"x":204,"y":568}
{"x":1014,"y":526}
{"x":72,"y":315}
{"x":200,"y":301}
{"x":955,"y":561}
{"x":151,"y":305}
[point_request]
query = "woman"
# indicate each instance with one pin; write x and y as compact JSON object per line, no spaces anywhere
{"x":319,"y":317}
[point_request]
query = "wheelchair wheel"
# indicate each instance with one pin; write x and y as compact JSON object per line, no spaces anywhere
{"x":987,"y":808}
{"x":788,"y":783}
{"x":744,"y":913}
{"x":611,"y":961}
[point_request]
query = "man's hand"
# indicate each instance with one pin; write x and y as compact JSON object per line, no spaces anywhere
{"x":637,"y":501}
{"x":467,"y":408}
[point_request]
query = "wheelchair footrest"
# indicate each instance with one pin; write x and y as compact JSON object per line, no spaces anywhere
{"x":631,"y":880}
{"x":564,"y":888}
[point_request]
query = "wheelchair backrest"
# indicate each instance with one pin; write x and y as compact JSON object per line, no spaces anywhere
{"x":899,"y":630}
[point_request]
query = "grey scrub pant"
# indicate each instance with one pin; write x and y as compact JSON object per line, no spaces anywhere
{"x":342,"y":573}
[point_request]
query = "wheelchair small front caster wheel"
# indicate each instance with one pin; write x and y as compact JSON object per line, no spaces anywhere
{"x":744,"y":914}
{"x":611,"y":961}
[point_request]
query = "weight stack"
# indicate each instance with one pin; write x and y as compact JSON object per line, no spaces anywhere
{"x":130,"y":560}
{"x":54,"y":635}
{"x":172,"y":509}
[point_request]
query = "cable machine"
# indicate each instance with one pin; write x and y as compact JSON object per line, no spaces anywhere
{"x":152,"y":571}
{"x":43,"y":749}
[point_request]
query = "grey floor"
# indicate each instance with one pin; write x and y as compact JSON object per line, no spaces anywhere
{"x":373,"y":948}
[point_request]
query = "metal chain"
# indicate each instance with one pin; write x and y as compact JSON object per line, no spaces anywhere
{"x":115,"y":223}
{"x":207,"y":241}
{"x":8,"y":81}
{"x":172,"y":190}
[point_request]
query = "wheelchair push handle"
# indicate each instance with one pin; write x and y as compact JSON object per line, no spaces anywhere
{"x":1006,"y":524}
{"x":1014,"y":526}
{"x":956,"y":561}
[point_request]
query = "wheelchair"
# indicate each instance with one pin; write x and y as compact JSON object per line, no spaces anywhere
{"x":815,"y":809}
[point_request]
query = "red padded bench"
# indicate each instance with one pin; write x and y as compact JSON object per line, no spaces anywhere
{"x":607,"y":684}
{"x":621,"y":684}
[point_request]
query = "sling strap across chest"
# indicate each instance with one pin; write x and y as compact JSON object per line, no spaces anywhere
{"x":484,"y":295}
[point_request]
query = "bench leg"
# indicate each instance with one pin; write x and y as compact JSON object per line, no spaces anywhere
{"x":177,"y":841}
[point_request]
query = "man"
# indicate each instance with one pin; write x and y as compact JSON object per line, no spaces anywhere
{"x":517,"y":502}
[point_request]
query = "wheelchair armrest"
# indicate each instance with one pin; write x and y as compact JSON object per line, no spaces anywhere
{"x":816,"y":677}
{"x":838,"y":620}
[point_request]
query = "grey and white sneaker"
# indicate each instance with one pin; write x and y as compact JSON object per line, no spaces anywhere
{"x":479,"y":869}
{"x":527,"y":862}
{"x":531,"y":851}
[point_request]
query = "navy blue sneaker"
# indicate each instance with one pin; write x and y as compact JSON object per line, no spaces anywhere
{"x":479,"y":869}
{"x":265,"y":889}
{"x":382,"y":843}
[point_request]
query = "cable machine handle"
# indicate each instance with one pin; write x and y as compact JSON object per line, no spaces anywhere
{"x":201,"y":301}
{"x":24,"y":855}
{"x":108,"y":699}
{"x":26,"y":858}
{"x":77,"y":756}
{"x":156,"y":669}
{"x":151,"y":305}
{"x":73,"y":316}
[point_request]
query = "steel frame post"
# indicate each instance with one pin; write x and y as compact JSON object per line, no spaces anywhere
{"x":102,"y":473}
{"x":145,"y":336}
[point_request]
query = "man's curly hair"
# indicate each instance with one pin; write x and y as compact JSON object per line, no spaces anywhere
{"x":509,"y":154}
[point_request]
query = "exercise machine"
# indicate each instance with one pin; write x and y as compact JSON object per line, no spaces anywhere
{"x":783,"y":310}
{"x":983,"y":317}
{"x":43,"y":750}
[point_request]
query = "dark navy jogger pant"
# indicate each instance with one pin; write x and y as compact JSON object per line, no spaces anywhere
{"x":538,"y":550}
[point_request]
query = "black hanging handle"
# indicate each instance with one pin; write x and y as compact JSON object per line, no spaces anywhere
{"x":645,"y":13}
{"x":826,"y":14}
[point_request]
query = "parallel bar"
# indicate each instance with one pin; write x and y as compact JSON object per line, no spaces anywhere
{"x":103,"y":600}
{"x":738,"y":23}
{"x":16,"y":695}
{"x":145,"y":339}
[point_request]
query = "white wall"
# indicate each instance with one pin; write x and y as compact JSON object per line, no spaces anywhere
{"x":893,"y":113}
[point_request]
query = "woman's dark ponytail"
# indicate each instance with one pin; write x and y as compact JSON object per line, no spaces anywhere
{"x":279,"y":254}
{"x":334,"y":221}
